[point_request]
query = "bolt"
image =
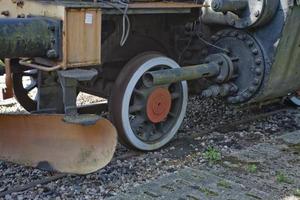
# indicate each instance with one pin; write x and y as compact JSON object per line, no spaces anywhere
{"x":258,"y":61}
{"x":256,"y":81}
{"x":5,"y":13}
{"x":255,"y":51}
{"x":250,"y":43}
{"x":239,"y":98}
{"x":21,"y":15}
{"x":207,"y":93}
{"x":51,"y":53}
{"x":220,"y":79}
{"x":258,"y":71}
{"x":231,"y":100}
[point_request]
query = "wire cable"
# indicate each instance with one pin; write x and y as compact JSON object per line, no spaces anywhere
{"x":126,"y":25}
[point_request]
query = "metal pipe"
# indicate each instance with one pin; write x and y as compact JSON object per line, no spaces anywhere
{"x":228,"y":5}
{"x":168,"y":76}
{"x":27,"y":63}
{"x":30,"y":37}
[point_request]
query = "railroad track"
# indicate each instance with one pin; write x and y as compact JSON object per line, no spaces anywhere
{"x":231,"y":125}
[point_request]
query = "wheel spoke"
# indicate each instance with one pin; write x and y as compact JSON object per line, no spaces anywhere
{"x":175,"y":95}
{"x":147,"y":131}
{"x":139,"y":92}
{"x":30,"y":87}
{"x":137,"y":122}
{"x":135,"y":108}
{"x":171,"y":114}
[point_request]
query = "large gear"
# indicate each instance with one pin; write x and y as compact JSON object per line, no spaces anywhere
{"x":248,"y":60}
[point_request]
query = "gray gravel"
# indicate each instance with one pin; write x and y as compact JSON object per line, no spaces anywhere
{"x":186,"y":150}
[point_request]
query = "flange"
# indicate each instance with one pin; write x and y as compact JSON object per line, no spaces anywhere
{"x":248,"y":61}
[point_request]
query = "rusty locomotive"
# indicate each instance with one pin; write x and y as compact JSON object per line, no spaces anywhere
{"x":139,"y":56}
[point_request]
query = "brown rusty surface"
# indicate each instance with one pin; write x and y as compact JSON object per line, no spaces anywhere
{"x":8,"y":91}
{"x":170,"y":5}
{"x":159,"y":105}
{"x":33,"y":140}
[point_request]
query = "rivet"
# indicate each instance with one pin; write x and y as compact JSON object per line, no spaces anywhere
{"x":258,"y":71}
{"x":255,"y":51}
{"x":258,"y":61}
{"x":256,"y":81}
{"x":220,"y":79}
{"x":250,"y":43}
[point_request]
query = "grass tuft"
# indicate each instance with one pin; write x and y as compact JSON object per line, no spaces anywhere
{"x":212,"y":154}
{"x":252,"y":168}
{"x":282,"y":178}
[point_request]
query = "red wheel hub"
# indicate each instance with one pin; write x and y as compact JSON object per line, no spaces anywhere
{"x":158,"y":105}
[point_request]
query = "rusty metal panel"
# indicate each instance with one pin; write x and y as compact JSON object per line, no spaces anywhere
{"x":83,"y":37}
{"x":284,"y":77}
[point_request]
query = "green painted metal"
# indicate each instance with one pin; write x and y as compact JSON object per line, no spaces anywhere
{"x":168,"y":76}
{"x":284,"y":76}
{"x":30,"y":37}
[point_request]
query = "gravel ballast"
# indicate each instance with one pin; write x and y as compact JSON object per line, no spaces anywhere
{"x":186,"y":150}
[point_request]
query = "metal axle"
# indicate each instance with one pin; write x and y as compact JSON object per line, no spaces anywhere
{"x":218,"y":66}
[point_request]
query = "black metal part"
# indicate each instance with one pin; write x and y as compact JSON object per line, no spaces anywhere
{"x":280,"y":40}
{"x":218,"y":67}
{"x":228,"y":5}
{"x":222,"y":90}
{"x":49,"y":93}
{"x":248,"y":61}
{"x":235,"y":14}
{"x":69,"y":81}
{"x":30,"y":37}
{"x":22,"y":92}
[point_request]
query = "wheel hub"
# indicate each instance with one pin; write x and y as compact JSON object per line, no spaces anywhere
{"x":158,"y":105}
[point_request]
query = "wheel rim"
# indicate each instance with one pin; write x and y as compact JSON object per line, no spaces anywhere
{"x":150,"y":133}
{"x":25,"y":89}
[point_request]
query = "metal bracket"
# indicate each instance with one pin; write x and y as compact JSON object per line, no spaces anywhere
{"x":69,"y":81}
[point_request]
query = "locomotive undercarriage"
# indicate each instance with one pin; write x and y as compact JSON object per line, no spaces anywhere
{"x":146,"y":54}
